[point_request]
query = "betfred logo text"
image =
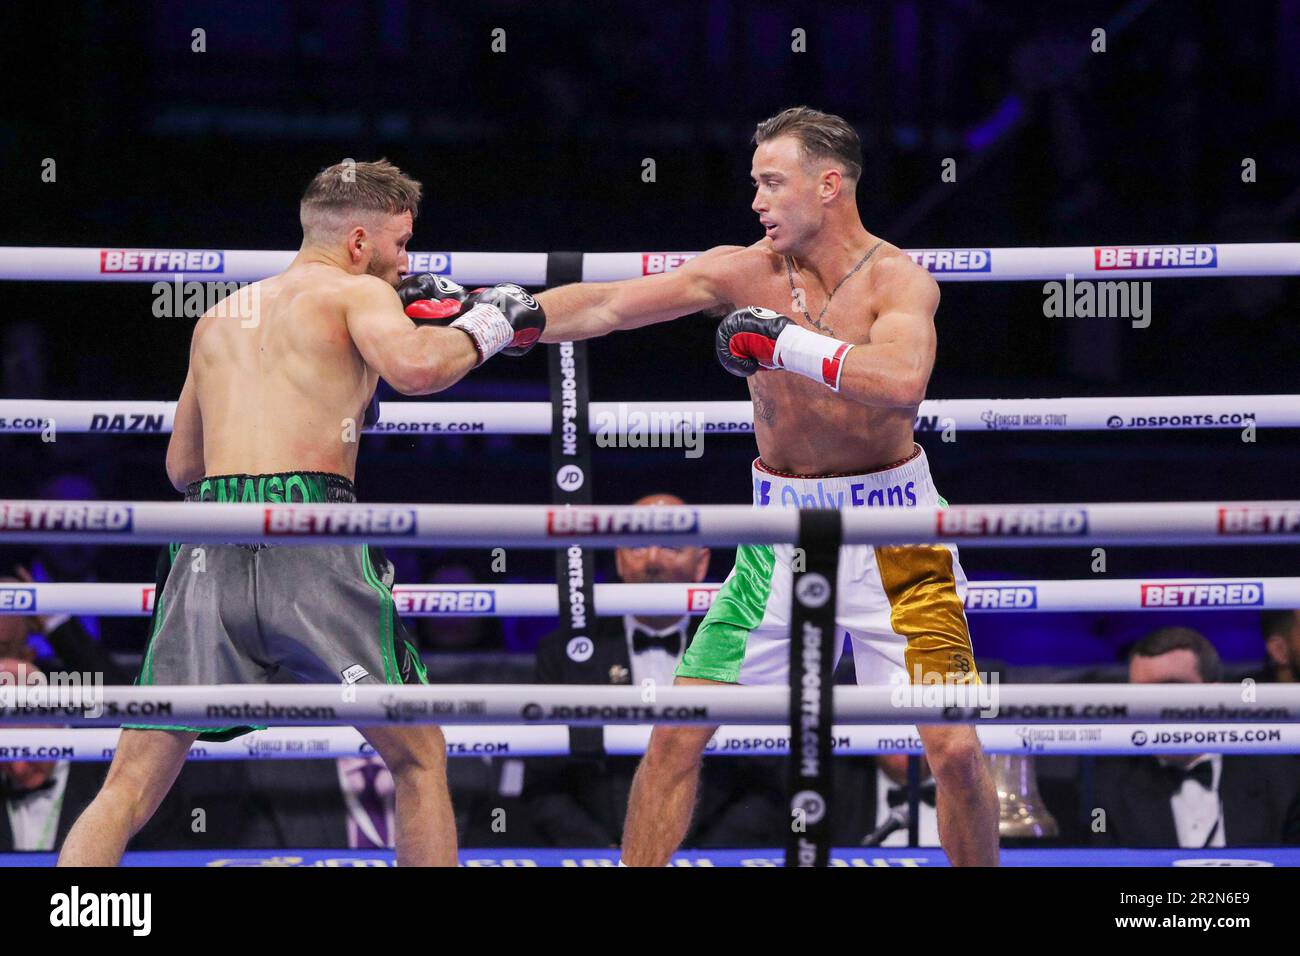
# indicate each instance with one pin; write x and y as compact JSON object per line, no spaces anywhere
{"x":1235,"y":594}
{"x":1260,"y":520}
{"x":656,"y":262}
{"x":451,"y":602}
{"x":17,"y":599}
{"x":436,"y":262}
{"x":976,"y":522}
{"x":160,"y":260}
{"x":1109,"y":258}
{"x":1002,"y":598}
{"x":953,"y":260}
{"x":700,"y":599}
{"x":337,"y":520}
{"x":568,"y":522}
{"x":36,"y":516}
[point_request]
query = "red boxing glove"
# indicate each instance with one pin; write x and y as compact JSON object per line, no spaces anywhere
{"x":432,"y":298}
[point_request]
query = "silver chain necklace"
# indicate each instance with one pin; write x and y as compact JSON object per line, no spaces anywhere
{"x":817,"y":323}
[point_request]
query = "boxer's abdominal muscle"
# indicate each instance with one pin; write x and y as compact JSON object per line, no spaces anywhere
{"x":804,"y":428}
{"x":801,"y":426}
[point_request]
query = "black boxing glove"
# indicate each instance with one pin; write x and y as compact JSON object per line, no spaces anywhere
{"x":753,"y":338}
{"x":429,"y":298}
{"x":504,"y":318}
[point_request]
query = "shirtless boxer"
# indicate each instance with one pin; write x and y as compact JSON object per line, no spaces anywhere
{"x":279,"y":382}
{"x":836,"y":371}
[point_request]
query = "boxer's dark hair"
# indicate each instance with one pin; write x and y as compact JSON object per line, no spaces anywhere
{"x":350,"y":187}
{"x":822,"y":135}
{"x":1276,"y":622}
{"x":1167,"y":639}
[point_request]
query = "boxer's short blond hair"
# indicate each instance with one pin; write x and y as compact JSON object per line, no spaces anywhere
{"x":821,"y":136}
{"x":341,"y":195}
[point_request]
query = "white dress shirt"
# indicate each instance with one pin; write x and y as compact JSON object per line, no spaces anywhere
{"x":351,"y":783}
{"x":34,"y":817}
{"x":1199,"y":812}
{"x":654,"y":664}
{"x":928,"y":829}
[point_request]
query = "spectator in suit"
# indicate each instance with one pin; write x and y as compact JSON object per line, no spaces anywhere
{"x":870,"y":789}
{"x":582,"y":802}
{"x":35,"y":792}
{"x":633,"y":648}
{"x":1193,"y":800}
{"x":40,"y":799}
{"x":73,"y":646}
{"x":329,"y":804}
{"x":349,"y":803}
{"x":1281,"y":632}
{"x":14,"y":631}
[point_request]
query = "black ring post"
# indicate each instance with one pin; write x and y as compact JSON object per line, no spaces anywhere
{"x":813,"y":637}
{"x":571,"y":481}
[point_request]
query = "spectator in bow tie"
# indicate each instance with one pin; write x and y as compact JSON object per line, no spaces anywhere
{"x":892,"y":795}
{"x":656,"y":643}
{"x":33,"y":792}
{"x":1193,"y":800}
{"x":581,"y":803}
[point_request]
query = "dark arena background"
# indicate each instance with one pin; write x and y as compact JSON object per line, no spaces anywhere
{"x":1162,"y":129}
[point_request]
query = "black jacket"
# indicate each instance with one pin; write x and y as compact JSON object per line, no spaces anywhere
{"x":76,"y":650}
{"x":300,"y":803}
{"x":205,"y":810}
{"x":1261,"y":801}
{"x":581,"y":802}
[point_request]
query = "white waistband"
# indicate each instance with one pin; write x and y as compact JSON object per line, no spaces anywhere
{"x":903,"y":486}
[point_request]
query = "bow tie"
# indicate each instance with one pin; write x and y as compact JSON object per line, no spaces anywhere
{"x":897,"y":796}
{"x":1202,"y":773}
{"x":642,"y":642}
{"x":9,"y":789}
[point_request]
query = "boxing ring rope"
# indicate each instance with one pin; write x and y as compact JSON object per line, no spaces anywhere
{"x":612,"y":526}
{"x":110,"y":417}
{"x":965,"y":264}
{"x":483,"y":599}
{"x":313,"y":721}
{"x":735,"y":740}
{"x":78,"y":702}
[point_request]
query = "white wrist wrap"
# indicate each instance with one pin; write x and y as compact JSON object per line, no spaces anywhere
{"x":818,"y":357}
{"x":488,"y":327}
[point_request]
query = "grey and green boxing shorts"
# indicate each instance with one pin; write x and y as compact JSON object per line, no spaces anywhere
{"x":902,"y":609}
{"x":267,"y":614}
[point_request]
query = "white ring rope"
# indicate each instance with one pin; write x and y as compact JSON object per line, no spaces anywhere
{"x":505,"y":741}
{"x":610,"y":526}
{"x":657,"y":420}
{"x":360,"y":705}
{"x":540,"y":600}
{"x":968,"y":264}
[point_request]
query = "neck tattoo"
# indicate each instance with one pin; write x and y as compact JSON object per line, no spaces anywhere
{"x":817,"y":322}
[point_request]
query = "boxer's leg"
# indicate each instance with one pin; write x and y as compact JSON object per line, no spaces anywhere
{"x":143,"y":770}
{"x":924,"y":587}
{"x":417,"y":759}
{"x":349,"y":632}
{"x":662,"y":800}
{"x":743,"y":638}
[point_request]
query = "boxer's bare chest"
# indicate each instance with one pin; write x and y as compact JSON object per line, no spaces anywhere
{"x":800,"y":425}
